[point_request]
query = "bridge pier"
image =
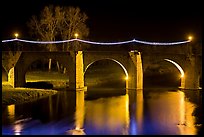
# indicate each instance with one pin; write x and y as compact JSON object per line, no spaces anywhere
{"x":11,"y":77}
{"x":191,"y":77}
{"x":79,"y":70}
{"x":135,"y":80}
{"x":76,"y":73}
{"x":16,"y":78}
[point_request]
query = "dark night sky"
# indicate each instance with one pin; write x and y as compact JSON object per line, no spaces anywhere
{"x":114,"y":20}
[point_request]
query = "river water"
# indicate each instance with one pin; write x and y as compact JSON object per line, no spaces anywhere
{"x":129,"y":112}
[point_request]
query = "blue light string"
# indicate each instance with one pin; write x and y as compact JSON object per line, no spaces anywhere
{"x":98,"y":43}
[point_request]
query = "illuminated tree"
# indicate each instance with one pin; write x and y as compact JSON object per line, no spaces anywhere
{"x":58,"y":23}
{"x":74,"y":22}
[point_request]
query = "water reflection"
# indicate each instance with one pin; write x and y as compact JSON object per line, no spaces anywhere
{"x":171,"y":112}
{"x":79,"y":114}
{"x":18,"y":129}
{"x":181,"y":108}
{"x":163,"y":112}
{"x":11,"y":113}
{"x":138,"y":112}
{"x":107,"y":115}
{"x":187,"y":121}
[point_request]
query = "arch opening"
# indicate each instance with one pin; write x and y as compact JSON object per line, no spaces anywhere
{"x":182,"y":82}
{"x":125,"y":70}
{"x":105,"y":74}
{"x":177,"y":66}
{"x":160,"y":73}
{"x":38,"y":76}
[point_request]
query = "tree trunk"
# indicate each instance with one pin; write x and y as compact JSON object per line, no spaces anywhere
{"x":58,"y":67}
{"x":61,"y":68}
{"x":50,"y":62}
{"x":64,"y":70}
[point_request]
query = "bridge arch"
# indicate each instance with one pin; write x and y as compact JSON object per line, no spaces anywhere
{"x":38,"y":75}
{"x":164,"y":65}
{"x":177,"y":66}
{"x":27,"y":58}
{"x":121,"y":65}
{"x":180,"y":70}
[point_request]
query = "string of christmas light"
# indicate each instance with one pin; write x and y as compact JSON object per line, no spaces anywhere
{"x":39,"y":42}
{"x":99,"y":43}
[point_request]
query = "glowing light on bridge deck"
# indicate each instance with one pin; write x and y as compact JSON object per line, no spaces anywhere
{"x":16,"y":35}
{"x":99,"y":43}
{"x":177,"y":65}
{"x":76,"y":35}
{"x":190,"y":38}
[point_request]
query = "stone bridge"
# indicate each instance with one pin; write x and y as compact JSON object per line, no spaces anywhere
{"x":133,"y":60}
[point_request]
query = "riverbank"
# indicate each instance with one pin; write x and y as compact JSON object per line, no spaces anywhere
{"x":23,"y":95}
{"x":37,"y":81}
